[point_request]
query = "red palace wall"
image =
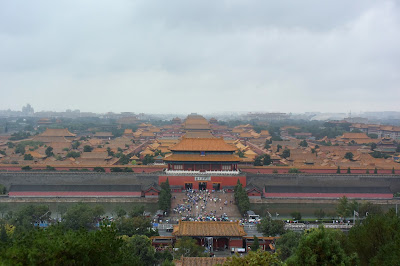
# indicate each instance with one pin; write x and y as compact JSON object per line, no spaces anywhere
{"x":329,"y":195}
{"x":224,"y":181}
{"x":74,"y":194}
{"x":233,"y":243}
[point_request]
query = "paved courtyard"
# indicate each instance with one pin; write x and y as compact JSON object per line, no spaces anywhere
{"x":203,"y":205}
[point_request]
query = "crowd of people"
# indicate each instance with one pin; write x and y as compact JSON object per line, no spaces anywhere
{"x":203,"y":205}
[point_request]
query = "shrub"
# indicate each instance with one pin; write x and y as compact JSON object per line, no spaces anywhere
{"x":99,"y":169}
{"x":50,"y":168}
{"x":294,"y":171}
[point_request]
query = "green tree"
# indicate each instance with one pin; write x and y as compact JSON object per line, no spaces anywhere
{"x":3,"y":234}
{"x":75,"y":145}
{"x":257,"y":161}
{"x":28,"y":157}
{"x":377,"y":239}
{"x":286,"y":153}
{"x":136,"y":211}
{"x":322,"y":247}
{"x":338,"y":170}
{"x":116,"y":169}
{"x":110,"y":152}
{"x":256,"y":245}
{"x":287,"y":244}
{"x":57,"y":246}
{"x":269,"y":227}
{"x":240,"y":153}
{"x":50,"y":168}
{"x":148,"y":159}
{"x":343,"y":207}
{"x":10,"y":145}
{"x":73,"y":154}
{"x":320,"y":214}
{"x":349,"y":156}
{"x":267,"y":159}
{"x":259,"y":258}
{"x":187,"y":247}
{"x":303,"y":143}
{"x":267,"y":145}
{"x":123,"y":159}
{"x":3,"y":209}
{"x":139,"y":247}
{"x":26,"y":168}
{"x":164,"y":199}
{"x":367,"y":208}
{"x":294,"y":171}
{"x":81,"y":215}
{"x":375,"y":170}
{"x":99,"y":169}
{"x":31,"y":214}
{"x":49,"y":151}
{"x":373,"y":146}
{"x":20,"y":148}
{"x":296,"y":215}
{"x":278,"y":147}
{"x":134,"y":226}
{"x":241,"y":198}
{"x":120,"y":211}
{"x":87,"y":148}
{"x":348,"y":170}
{"x":62,"y":209}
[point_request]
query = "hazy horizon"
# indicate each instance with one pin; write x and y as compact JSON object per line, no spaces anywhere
{"x":200,"y":56}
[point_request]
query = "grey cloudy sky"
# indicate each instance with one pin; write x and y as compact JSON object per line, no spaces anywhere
{"x":200,"y":56}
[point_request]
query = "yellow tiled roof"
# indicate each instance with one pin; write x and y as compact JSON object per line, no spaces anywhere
{"x":206,"y":144}
{"x":208,"y":229}
{"x":207,"y":158}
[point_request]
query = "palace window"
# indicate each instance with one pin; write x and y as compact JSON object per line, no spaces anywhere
{"x":202,"y":153}
{"x":178,"y":167}
{"x":226,"y":167}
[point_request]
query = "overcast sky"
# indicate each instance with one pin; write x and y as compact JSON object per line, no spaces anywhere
{"x":203,"y":56}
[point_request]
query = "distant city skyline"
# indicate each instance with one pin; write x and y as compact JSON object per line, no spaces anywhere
{"x":200,"y":56}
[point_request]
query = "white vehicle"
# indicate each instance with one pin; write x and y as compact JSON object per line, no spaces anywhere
{"x":252,"y":217}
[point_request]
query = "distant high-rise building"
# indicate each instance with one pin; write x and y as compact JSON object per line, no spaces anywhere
{"x":28,"y":110}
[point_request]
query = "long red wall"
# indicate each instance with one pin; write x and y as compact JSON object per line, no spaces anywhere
{"x":329,"y":195}
{"x":74,"y":194}
{"x":316,"y":171}
{"x":223,"y":180}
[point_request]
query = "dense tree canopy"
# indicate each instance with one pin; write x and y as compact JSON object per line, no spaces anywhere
{"x":270,"y":227}
{"x":164,"y":199}
{"x":138,"y":225}
{"x":241,"y":198}
{"x":287,"y":244}
{"x":322,"y":247}
{"x":377,"y":239}
{"x":187,"y":247}
{"x":59,"y":246}
{"x":259,"y":258}
{"x":82,"y":216}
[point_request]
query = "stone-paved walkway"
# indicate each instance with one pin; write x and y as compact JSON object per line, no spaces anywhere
{"x":214,"y":208}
